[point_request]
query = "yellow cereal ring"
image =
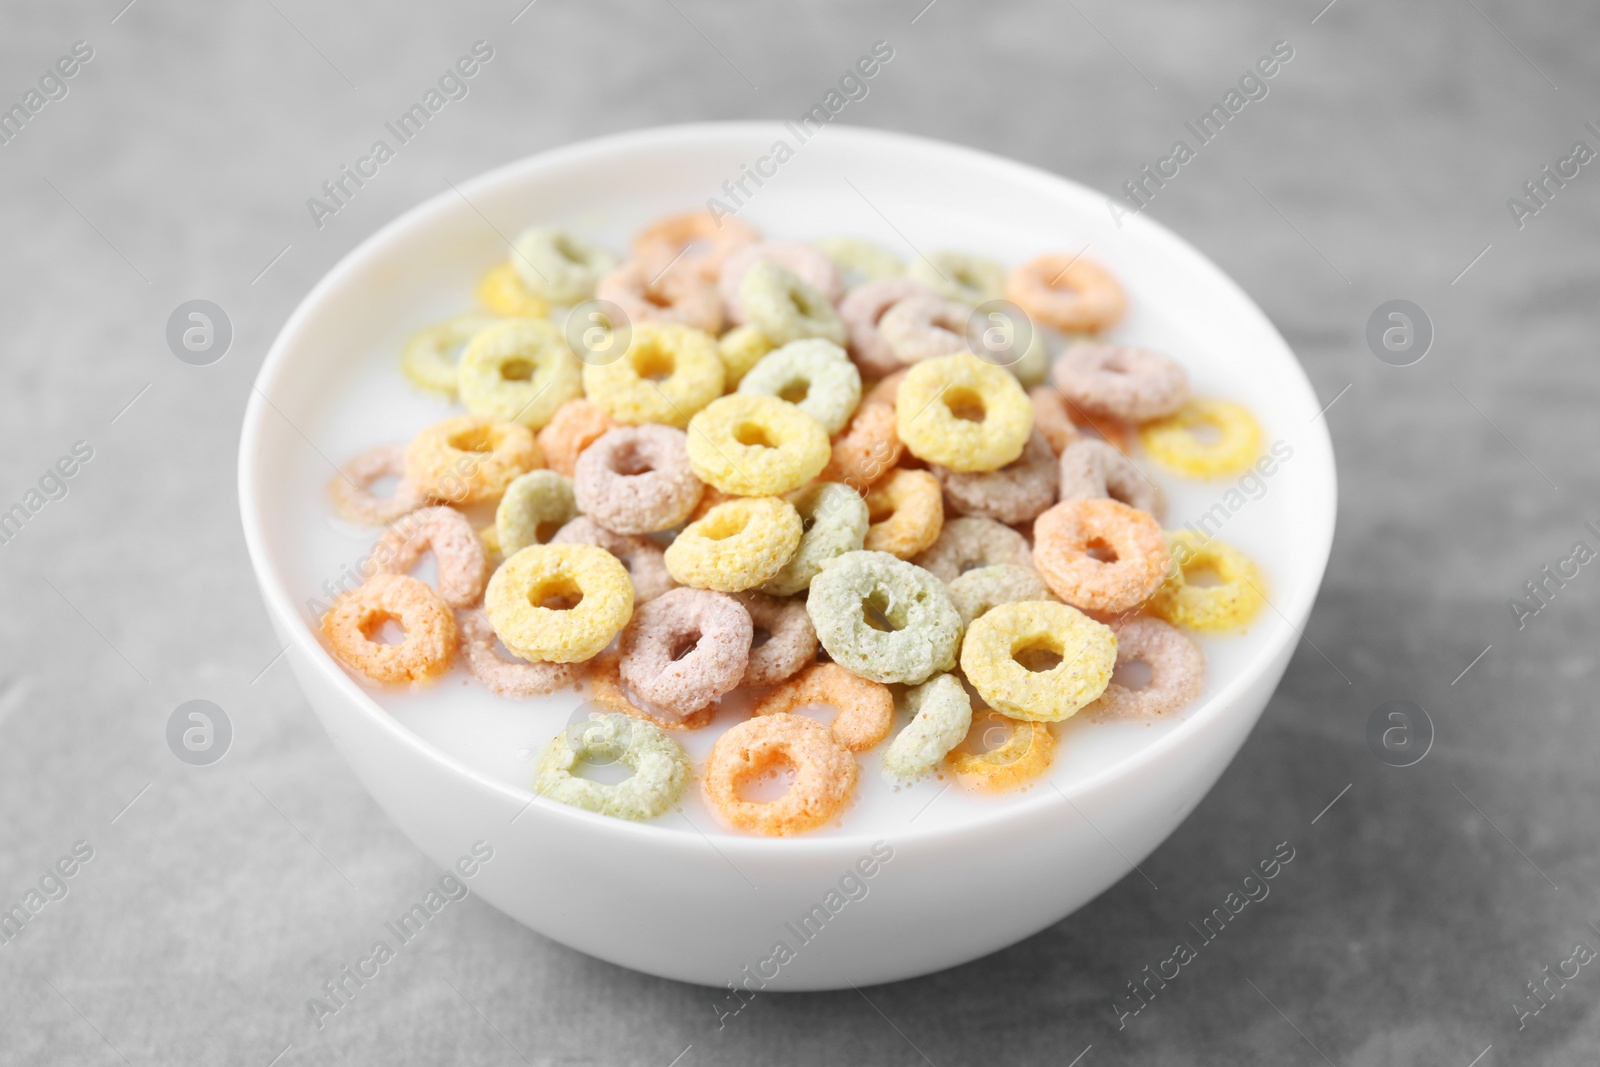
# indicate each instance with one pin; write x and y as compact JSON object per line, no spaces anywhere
{"x":502,"y":292}
{"x":753,"y":445}
{"x":1025,"y":753}
{"x":1230,"y":605}
{"x":738,"y":545}
{"x":559,"y":603}
{"x":520,"y":370}
{"x":963,"y":413}
{"x":1037,"y":659}
{"x":469,"y":460}
{"x":426,"y":357}
{"x":907,"y":513}
{"x":668,"y":373}
{"x":742,"y":348}
{"x":1173,"y":443}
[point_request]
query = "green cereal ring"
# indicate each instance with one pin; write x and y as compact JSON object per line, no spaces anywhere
{"x":960,"y":276}
{"x":534,"y":508}
{"x":426,"y":356}
{"x":1033,"y":366}
{"x":742,"y":348}
{"x":783,"y":307}
{"x":737,"y":545}
{"x":659,"y":764}
{"x":923,"y":626}
{"x":982,"y":588}
{"x":861,"y":261}
{"x":752,"y":445}
{"x":941,"y":716}
{"x":814,"y":375}
{"x":558,"y":266}
{"x":834,"y":521}
{"x":962,"y":413}
{"x":669,"y":372}
{"x":1083,"y":653}
{"x":520,"y":370}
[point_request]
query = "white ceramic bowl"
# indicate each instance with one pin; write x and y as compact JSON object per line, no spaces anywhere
{"x":685,"y":898}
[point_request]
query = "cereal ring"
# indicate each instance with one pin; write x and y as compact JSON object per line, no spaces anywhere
{"x":966,"y":544}
{"x":740,"y":349}
{"x":1093,"y":470}
{"x":861,"y":261}
{"x":738,"y":545}
{"x":1230,"y":605}
{"x":685,"y":648}
{"x":922,"y":327}
{"x":833,"y":521}
{"x":1036,"y":659}
{"x":1133,"y":384}
{"x":1173,"y":443}
{"x":915,"y":627}
{"x":463,"y":563}
{"x":502,"y":292}
{"x":573,"y":428}
{"x":867,"y":450}
{"x":962,"y":413}
{"x":470,"y":460}
{"x":426,"y":358}
{"x":814,"y":375}
{"x":640,"y":556}
{"x":863,"y":308}
{"x":811,"y":265}
{"x":1015,"y":493}
{"x":534,"y":507}
{"x":824,"y":773}
{"x":780,"y":305}
{"x":1023,"y":756}
{"x":675,"y":294}
{"x":907,"y":513}
{"x":941,"y":715}
{"x":512,"y":679}
{"x":978,"y":590}
{"x":659,"y":764}
{"x":755,"y":445}
{"x":636,"y":480}
{"x":866,"y":709}
{"x":961,"y":276}
{"x":350,"y":491}
{"x":351,"y":628}
{"x":697,"y":240}
{"x":520,"y":370}
{"x":1177,"y":672}
{"x":1068,"y":292}
{"x":669,"y":372}
{"x":607,"y":690}
{"x":1050,"y":417}
{"x":783,"y":640}
{"x":557,"y":266}
{"x":590,"y":588}
{"x":1065,"y":542}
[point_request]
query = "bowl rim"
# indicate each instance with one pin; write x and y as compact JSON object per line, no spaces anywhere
{"x":280,"y":603}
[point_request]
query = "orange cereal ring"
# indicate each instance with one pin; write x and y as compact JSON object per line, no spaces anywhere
{"x":1051,"y":418}
{"x":606,"y":689}
{"x":697,"y":240}
{"x":351,"y":628}
{"x":470,"y":460}
{"x":866,"y":451}
{"x":907,"y":513}
{"x":1024,"y":753}
{"x":866,"y":708}
{"x":574,"y":427}
{"x":672,"y":294}
{"x":886,"y":390}
{"x":1068,"y":292}
{"x":350,"y":491}
{"x":559,"y":603}
{"x":1066,"y":538}
{"x":824,"y":773}
{"x":463,"y":561}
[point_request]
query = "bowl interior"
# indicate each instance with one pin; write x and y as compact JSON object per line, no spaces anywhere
{"x":331,"y":387}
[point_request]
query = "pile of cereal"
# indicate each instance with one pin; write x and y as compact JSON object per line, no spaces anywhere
{"x":807,"y":471}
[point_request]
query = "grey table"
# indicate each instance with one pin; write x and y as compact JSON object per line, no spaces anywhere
{"x":1378,"y":166}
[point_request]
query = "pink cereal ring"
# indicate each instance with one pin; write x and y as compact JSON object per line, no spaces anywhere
{"x":461,"y":557}
{"x":697,"y":240}
{"x":350,"y":491}
{"x":1177,"y":672}
{"x":1132,"y":384}
{"x":1071,"y":293}
{"x":637,"y":480}
{"x":1050,"y":418}
{"x":862,"y":309}
{"x":1092,"y":470}
{"x":923,"y":327}
{"x":783,"y":640}
{"x":680,"y":295}
{"x":513,"y":678}
{"x":810,"y":264}
{"x":686,"y":648}
{"x":641,"y":557}
{"x":1015,"y":493}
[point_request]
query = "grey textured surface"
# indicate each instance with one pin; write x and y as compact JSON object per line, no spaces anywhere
{"x":1377,"y":168}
